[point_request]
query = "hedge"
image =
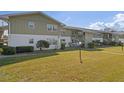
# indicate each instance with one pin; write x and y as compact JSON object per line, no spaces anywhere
{"x":62,"y":46}
{"x":23,"y":49}
{"x":91,"y":45}
{"x":8,"y":51}
{"x":42,"y":44}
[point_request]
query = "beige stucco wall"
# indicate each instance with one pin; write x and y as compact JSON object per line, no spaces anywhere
{"x":19,"y":25}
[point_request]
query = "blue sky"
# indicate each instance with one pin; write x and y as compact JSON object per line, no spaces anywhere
{"x":83,"y":18}
{"x":80,"y":18}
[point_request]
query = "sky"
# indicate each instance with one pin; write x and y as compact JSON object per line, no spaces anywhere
{"x":87,"y":19}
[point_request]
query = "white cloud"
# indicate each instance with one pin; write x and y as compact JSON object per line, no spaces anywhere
{"x":119,"y":17}
{"x":117,"y":24}
{"x":97,"y":26}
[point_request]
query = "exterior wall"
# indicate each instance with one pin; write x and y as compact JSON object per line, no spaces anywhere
{"x":107,"y":37}
{"x":19,"y":25}
{"x":66,"y":32}
{"x":118,"y":37}
{"x":20,"y":34}
{"x":97,"y":36}
{"x":100,"y":39}
{"x":121,"y":40}
{"x":88,"y":38}
{"x":23,"y":40}
{"x":76,"y":35}
{"x":115,"y":37}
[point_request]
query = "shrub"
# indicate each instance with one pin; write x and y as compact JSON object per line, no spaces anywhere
{"x":42,"y":44}
{"x":97,"y":43}
{"x":1,"y":45}
{"x":113,"y":43}
{"x":8,"y":50}
{"x":1,"y":50}
{"x":23,"y":49}
{"x":91,"y":45}
{"x":105,"y":43}
{"x":119,"y":43}
{"x":62,"y":46}
{"x":82,"y":45}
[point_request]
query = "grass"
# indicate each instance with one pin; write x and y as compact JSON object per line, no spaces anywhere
{"x":103,"y":64}
{"x":1,"y":50}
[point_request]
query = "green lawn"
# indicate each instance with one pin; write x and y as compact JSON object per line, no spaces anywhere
{"x":103,"y":64}
{"x":1,"y":50}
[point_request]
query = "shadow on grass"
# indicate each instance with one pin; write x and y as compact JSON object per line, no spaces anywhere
{"x":36,"y":55}
{"x":94,"y":49}
{"x":13,"y":60}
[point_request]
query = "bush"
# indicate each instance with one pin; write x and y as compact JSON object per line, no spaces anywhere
{"x":62,"y":46}
{"x":91,"y":45}
{"x":1,"y":45}
{"x":23,"y":49}
{"x":119,"y":43}
{"x":1,"y":50}
{"x":97,"y":43}
{"x":8,"y":51}
{"x":82,"y":45}
{"x":113,"y":43}
{"x":105,"y":43}
{"x":42,"y":44}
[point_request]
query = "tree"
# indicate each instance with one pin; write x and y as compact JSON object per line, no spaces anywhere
{"x":63,"y":45}
{"x":42,"y":44}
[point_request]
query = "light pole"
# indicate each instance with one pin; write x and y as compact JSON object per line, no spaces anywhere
{"x":80,"y":52}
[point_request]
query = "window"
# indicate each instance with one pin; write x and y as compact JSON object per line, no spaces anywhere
{"x":54,"y":27}
{"x":31,"y":25}
{"x":31,"y":41}
{"x":51,"y":27}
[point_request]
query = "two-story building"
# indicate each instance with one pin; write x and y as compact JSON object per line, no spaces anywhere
{"x":25,"y":29}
